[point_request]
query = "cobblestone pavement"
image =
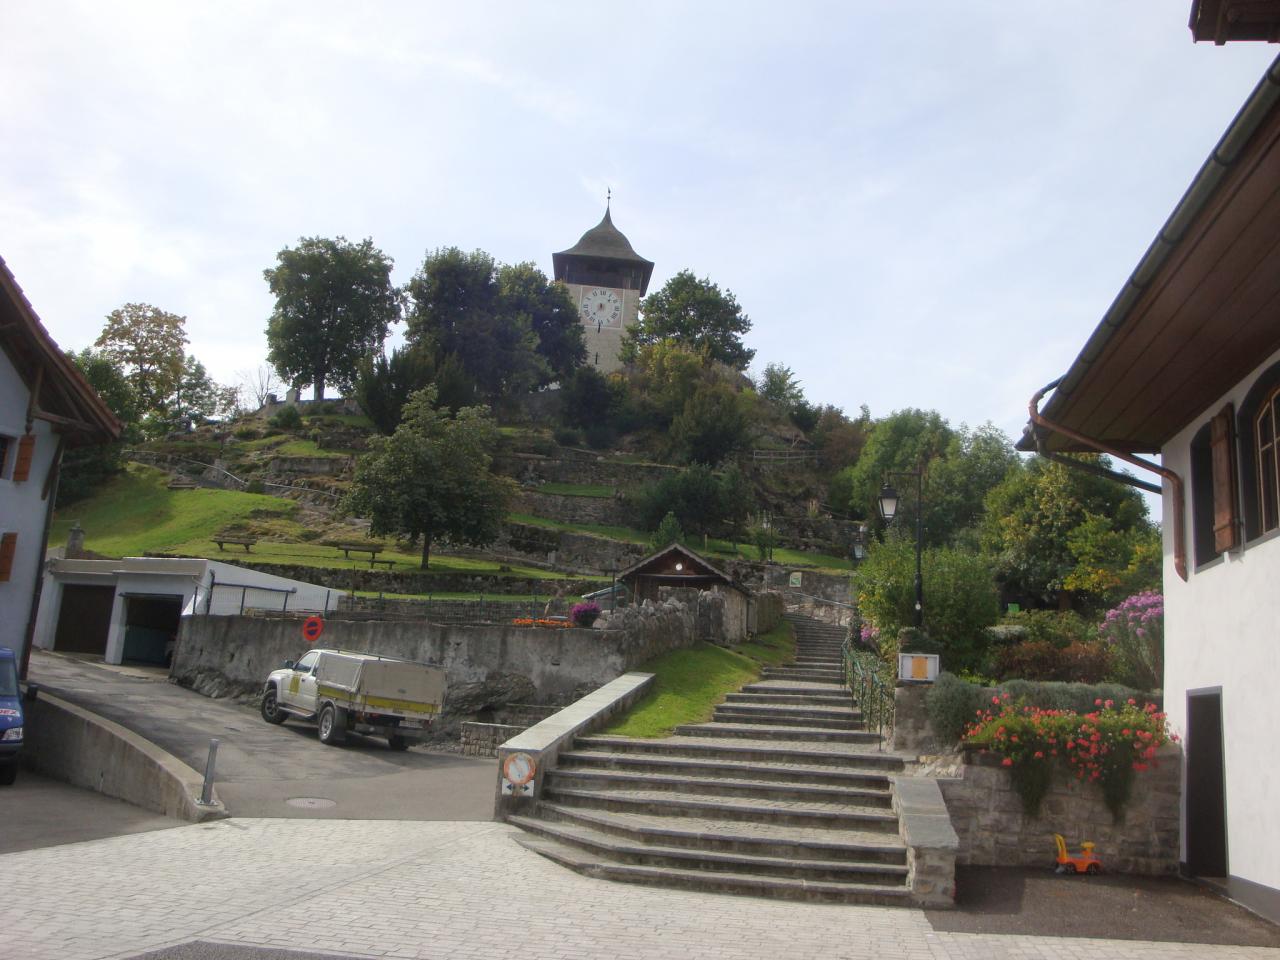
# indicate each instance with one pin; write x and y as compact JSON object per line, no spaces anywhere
{"x":455,"y":890}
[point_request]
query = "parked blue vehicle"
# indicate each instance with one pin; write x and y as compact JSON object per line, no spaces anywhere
{"x":11,"y":716}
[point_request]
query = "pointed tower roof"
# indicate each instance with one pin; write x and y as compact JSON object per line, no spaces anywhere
{"x":604,"y":241}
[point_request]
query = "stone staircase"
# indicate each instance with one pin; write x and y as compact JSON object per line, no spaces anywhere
{"x":783,"y":793}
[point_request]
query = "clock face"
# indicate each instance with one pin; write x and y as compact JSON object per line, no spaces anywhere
{"x":601,"y":307}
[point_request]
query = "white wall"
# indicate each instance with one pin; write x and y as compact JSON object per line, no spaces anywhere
{"x":22,"y":511}
{"x":1221,"y":630}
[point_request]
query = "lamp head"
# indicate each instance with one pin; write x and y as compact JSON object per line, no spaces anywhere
{"x":888,"y":501}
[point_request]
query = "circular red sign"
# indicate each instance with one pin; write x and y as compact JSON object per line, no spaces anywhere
{"x":312,"y":627}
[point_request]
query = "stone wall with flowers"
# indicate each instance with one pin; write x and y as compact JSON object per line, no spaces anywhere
{"x":994,"y":830}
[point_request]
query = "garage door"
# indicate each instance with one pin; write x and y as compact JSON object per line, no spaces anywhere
{"x":84,"y":619}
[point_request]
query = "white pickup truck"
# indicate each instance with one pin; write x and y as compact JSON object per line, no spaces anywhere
{"x":342,"y":692}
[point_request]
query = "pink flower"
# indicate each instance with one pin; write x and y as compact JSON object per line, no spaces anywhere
{"x":1007,"y":762}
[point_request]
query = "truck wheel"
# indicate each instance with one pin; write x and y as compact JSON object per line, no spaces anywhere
{"x":397,"y":742}
{"x":271,"y":711}
{"x":8,"y":773}
{"x":333,"y":725}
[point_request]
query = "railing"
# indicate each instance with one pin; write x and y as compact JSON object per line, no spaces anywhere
{"x":783,"y":456}
{"x":872,"y":692}
{"x":150,"y":458}
{"x":482,"y":610}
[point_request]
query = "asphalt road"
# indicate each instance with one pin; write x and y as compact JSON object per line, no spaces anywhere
{"x":260,"y":767}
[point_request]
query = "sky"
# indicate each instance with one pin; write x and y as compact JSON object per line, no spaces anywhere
{"x":918,"y":205}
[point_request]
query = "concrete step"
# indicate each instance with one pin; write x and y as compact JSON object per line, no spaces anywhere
{"x":777,"y":717}
{"x":814,"y":814}
{"x":848,"y":756}
{"x":814,"y":699}
{"x":794,"y":673}
{"x":790,"y":770}
{"x":747,"y":787}
{"x":621,"y":850}
{"x":586,"y":863}
{"x":817,"y":711}
{"x":757,"y":731}
{"x":798,"y":687}
{"x":735,"y":836}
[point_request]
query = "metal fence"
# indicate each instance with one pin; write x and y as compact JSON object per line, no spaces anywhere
{"x":482,"y":610}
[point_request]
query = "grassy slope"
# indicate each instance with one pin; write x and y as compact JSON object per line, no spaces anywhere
{"x":689,"y":683}
{"x":137,"y":513}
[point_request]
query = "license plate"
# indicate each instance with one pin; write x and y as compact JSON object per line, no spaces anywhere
{"x":413,"y":724}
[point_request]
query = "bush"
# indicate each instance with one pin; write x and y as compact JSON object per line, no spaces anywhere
{"x":255,"y":486}
{"x":960,"y":597}
{"x":246,"y":433}
{"x":1079,"y":662}
{"x":567,"y":437}
{"x":952,"y":703}
{"x":287,"y":419}
{"x":585,"y":614}
{"x":1058,"y":627}
{"x":1134,"y":633}
{"x":668,"y":532}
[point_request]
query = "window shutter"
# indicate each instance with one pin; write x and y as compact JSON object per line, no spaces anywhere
{"x":8,"y":547}
{"x":1226,"y":510}
{"x":22,"y":464}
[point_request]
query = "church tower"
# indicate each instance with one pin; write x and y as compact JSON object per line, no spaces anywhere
{"x":606,"y":280}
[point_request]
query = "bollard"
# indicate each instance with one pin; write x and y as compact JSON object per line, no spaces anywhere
{"x":206,"y":794}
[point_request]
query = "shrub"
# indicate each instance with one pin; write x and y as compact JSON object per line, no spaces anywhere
{"x":960,"y":597}
{"x":1079,"y":662}
{"x":255,"y":486}
{"x":1134,"y":632}
{"x":287,"y":419}
{"x":246,"y":433}
{"x":951,"y":705}
{"x":567,"y":437}
{"x":600,"y":436}
{"x":1058,"y":627}
{"x":668,"y":532}
{"x":1105,"y":745}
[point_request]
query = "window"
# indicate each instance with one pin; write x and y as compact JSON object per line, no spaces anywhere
{"x":6,"y":444}
{"x":307,"y":662}
{"x":1268,"y":465}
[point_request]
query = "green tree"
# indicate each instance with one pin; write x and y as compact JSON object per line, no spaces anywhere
{"x":779,"y":386}
{"x":511,"y":328}
{"x":1033,"y":515}
{"x":960,"y":597}
{"x":957,"y":483}
{"x":431,"y":478}
{"x":334,"y":304}
{"x":86,"y":468}
{"x":525,"y":291}
{"x":696,"y":313}
{"x":703,"y":501}
{"x":900,"y":442}
{"x":715,"y":422}
{"x":148,"y":345}
{"x":668,"y":532}
{"x":586,"y":398}
{"x":384,"y":384}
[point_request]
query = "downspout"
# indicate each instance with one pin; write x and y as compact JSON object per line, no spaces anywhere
{"x":1176,"y":486}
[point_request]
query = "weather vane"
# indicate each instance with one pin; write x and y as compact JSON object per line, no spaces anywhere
{"x":608,"y":197}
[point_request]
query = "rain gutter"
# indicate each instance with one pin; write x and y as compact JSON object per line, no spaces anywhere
{"x":1176,"y":486}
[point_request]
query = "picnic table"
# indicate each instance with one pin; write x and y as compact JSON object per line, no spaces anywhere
{"x":245,"y":542}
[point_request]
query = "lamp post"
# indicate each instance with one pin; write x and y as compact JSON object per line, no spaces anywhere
{"x":858,"y":546}
{"x":888,"y":502}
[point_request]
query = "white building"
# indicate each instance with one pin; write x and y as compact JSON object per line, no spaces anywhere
{"x":130,"y":609}
{"x":1186,"y":365}
{"x":46,"y":406}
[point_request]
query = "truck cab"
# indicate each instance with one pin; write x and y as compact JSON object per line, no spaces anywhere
{"x":11,"y":716}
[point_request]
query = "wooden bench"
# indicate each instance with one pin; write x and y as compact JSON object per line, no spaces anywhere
{"x":350,"y":548}
{"x":389,"y":564}
{"x":182,"y":483}
{"x":245,"y":542}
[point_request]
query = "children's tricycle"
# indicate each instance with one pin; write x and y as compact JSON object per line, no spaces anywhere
{"x":1083,"y":862}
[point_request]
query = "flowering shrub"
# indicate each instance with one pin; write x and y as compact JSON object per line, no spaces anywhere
{"x":585,"y":614}
{"x":1134,"y":632}
{"x":869,"y":634}
{"x":1105,"y":746}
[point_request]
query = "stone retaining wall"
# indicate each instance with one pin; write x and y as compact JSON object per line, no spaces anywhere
{"x":535,"y":468}
{"x":417,"y":582}
{"x":482,"y":739}
{"x":566,"y":550}
{"x":606,"y":511}
{"x":987,"y":815}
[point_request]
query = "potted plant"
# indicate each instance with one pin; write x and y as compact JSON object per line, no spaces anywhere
{"x":585,"y":614}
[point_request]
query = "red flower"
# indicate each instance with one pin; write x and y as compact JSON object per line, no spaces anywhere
{"x":1039,"y":754}
{"x":1007,"y":762}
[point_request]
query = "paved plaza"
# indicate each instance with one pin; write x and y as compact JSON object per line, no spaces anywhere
{"x":443,"y":889}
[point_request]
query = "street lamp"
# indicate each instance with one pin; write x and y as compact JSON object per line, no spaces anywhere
{"x":859,"y":545}
{"x":888,"y":501}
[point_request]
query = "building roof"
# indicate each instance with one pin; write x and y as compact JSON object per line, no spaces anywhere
{"x":1200,"y":310}
{"x":604,"y":241}
{"x":700,"y":569}
{"x":62,"y":396}
{"x":1226,"y":20}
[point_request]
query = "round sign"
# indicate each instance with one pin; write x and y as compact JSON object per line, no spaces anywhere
{"x":519,"y":768}
{"x":312,"y":627}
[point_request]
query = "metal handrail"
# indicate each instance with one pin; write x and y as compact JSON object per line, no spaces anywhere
{"x":869,"y":691}
{"x":809,"y":596}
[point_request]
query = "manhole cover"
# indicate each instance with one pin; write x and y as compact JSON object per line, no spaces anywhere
{"x":311,"y":803}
